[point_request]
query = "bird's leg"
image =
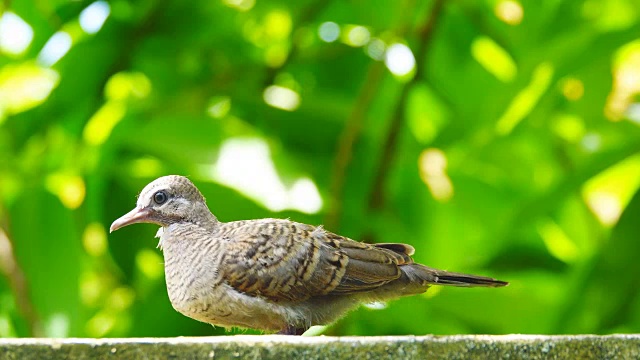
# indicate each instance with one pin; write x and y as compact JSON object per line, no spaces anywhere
{"x":292,"y":330}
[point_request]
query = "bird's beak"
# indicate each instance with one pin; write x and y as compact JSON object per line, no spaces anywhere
{"x":134,"y":216}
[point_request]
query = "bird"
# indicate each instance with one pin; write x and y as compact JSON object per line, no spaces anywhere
{"x":272,"y":275}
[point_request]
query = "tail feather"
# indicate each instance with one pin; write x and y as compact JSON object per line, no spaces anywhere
{"x":457,"y":279}
{"x":441,"y":277}
{"x":417,"y":278}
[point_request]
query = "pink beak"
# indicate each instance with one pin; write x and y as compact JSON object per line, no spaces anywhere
{"x":136,"y":215}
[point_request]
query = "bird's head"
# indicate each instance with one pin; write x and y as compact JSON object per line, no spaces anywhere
{"x":167,"y":200}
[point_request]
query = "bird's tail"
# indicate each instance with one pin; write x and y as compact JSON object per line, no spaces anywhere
{"x":420,"y":273}
{"x":417,"y":278}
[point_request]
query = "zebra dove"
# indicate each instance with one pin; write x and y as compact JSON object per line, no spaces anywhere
{"x":272,"y":274}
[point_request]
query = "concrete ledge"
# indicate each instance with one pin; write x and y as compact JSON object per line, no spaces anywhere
{"x":289,"y":347}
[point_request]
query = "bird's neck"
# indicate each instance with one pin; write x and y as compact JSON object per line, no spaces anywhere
{"x":203,"y":217}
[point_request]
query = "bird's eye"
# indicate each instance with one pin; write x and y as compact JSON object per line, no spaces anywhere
{"x":160,"y":197}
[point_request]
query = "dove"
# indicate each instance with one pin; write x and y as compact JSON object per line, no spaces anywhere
{"x":273,"y":275}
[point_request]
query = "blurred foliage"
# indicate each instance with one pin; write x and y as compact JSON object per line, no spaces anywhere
{"x":498,"y":137}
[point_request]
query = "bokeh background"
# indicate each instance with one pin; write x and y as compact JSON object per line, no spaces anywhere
{"x":498,"y":137}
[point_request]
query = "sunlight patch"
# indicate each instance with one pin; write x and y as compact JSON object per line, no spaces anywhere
{"x":304,"y":196}
{"x":146,"y":167}
{"x":57,"y":326}
{"x":494,"y":58}
{"x":357,"y":36}
{"x":15,"y":34}
{"x":572,"y":88}
{"x":569,"y":127}
{"x":433,"y":172}
{"x":70,"y":189}
{"x":426,"y":113}
{"x":245,"y":164}
{"x":24,"y":86}
{"x":94,"y":239}
{"x":591,"y":142}
{"x":150,"y":263}
{"x":524,"y":102}
{"x":509,"y":11}
{"x":278,"y":24}
{"x":376,"y":49}
{"x":329,"y":31}
{"x":557,"y":241}
{"x":100,"y":125}
{"x":6,"y":329}
{"x":91,"y":288}
{"x":241,"y":5}
{"x":633,"y":112}
{"x":626,"y":81}
{"x":608,"y":193}
{"x":121,"y":298}
{"x":219,"y":106}
{"x":127,"y":85}
{"x":101,"y":324}
{"x":281,"y":98}
{"x":93,"y":16}
{"x":56,"y":47}
{"x":400,"y":60}
{"x":610,"y":15}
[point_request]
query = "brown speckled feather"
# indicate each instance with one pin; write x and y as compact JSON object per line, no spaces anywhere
{"x":284,"y":260}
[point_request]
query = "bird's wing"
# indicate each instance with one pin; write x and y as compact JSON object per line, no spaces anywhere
{"x":288,"y":261}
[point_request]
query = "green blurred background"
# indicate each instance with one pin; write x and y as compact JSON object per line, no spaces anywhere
{"x":498,"y":137}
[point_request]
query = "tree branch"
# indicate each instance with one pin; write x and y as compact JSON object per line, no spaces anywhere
{"x":11,"y":270}
{"x":348,"y":138}
{"x":425,"y":35}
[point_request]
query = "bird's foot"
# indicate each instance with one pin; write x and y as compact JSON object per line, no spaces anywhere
{"x":292,"y":330}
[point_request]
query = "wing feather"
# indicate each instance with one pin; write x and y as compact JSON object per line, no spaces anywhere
{"x":287,"y":261}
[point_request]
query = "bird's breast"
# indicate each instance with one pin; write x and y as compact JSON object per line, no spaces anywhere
{"x":191,"y":263}
{"x":197,"y":289}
